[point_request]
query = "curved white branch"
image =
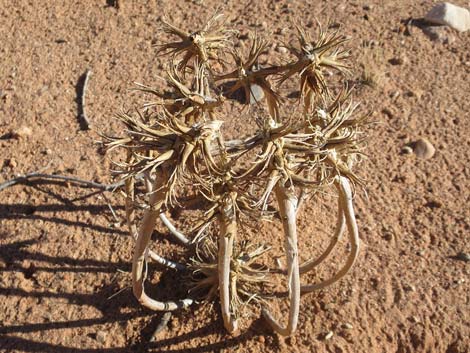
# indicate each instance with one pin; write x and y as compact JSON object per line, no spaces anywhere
{"x":145,"y":231}
{"x":345,"y":199}
{"x":287,"y":209}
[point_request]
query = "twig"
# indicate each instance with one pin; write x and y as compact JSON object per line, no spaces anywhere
{"x":84,"y":121}
{"x":117,"y":293}
{"x":116,"y":219}
{"x":38,"y":175}
{"x":177,"y":234}
{"x":165,"y":262}
{"x":161,"y":326}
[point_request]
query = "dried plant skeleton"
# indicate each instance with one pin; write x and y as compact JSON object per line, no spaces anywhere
{"x":176,"y":144}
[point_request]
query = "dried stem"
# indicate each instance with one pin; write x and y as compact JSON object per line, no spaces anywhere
{"x":287,"y":209}
{"x":345,"y":200}
{"x":161,"y":326}
{"x":228,"y":232}
{"x":173,"y":231}
{"x":130,"y":219}
{"x":157,"y":199}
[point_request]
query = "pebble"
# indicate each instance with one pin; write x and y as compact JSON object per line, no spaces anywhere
{"x":22,"y":132}
{"x":415,"y":319}
{"x":101,"y":336}
{"x":328,"y":336}
{"x":388,"y":113}
{"x":450,"y":15}
{"x":388,"y":236}
{"x":282,"y":50}
{"x":463,"y":256}
{"x":416,"y":92}
{"x":406,"y":150}
{"x":423,"y":149}
{"x":347,"y":326}
{"x":395,"y":95}
{"x":12,"y":163}
{"x":433,"y":203}
{"x":400,"y":60}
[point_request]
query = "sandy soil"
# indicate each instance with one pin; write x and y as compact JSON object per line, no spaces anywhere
{"x":62,"y":254}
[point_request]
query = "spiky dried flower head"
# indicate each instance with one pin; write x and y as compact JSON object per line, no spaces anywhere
{"x":248,"y":76}
{"x":159,"y":141}
{"x":329,"y":144}
{"x":193,"y":101}
{"x":204,"y":44}
{"x":313,"y":57}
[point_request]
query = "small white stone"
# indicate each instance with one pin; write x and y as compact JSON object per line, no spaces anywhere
{"x":329,"y":335}
{"x":415,"y":319}
{"x":450,"y":15}
{"x":281,"y":49}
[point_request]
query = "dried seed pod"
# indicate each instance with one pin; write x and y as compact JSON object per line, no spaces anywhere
{"x":313,"y":57}
{"x":203,"y":44}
